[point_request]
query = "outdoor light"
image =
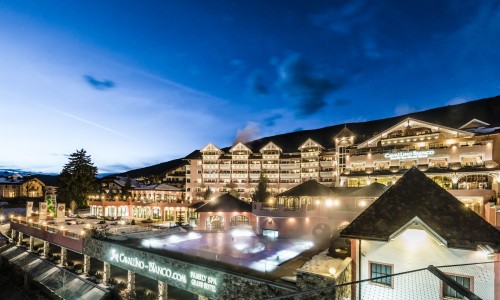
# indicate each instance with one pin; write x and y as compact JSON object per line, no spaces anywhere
{"x":332,"y":270}
{"x":487,"y":250}
{"x":329,"y":203}
{"x":82,"y":232}
{"x":362,"y":203}
{"x":336,"y":202}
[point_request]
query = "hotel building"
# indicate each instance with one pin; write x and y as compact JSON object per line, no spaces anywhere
{"x":462,"y":158}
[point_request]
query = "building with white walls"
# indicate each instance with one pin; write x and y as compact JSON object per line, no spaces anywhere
{"x":414,"y":224}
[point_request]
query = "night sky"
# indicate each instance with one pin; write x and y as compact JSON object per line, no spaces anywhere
{"x":138,"y":83}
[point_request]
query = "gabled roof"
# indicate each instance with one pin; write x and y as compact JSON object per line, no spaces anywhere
{"x":414,"y":122}
{"x":310,"y":188}
{"x":270,"y":146}
{"x":474,"y":123}
{"x":197,"y":205}
{"x":158,"y":187}
{"x":122,"y":181}
{"x":211,"y":147}
{"x":344,"y":133}
{"x":196,"y":154}
{"x":416,"y":195}
{"x":240,"y":146}
{"x":373,"y":190}
{"x":226,"y":203}
{"x":310,"y":143}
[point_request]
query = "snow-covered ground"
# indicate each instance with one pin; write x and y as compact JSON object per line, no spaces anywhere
{"x":322,"y":264}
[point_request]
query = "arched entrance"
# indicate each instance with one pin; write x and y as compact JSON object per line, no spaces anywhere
{"x":215,"y":223}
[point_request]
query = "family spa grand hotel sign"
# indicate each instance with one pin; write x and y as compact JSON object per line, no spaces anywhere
{"x":184,"y":277}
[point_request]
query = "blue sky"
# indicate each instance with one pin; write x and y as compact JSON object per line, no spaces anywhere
{"x":141,"y":83}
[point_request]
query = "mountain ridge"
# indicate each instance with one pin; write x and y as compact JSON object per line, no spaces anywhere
{"x":485,"y":109}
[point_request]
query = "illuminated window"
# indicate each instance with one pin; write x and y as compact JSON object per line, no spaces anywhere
{"x":380,"y":270}
{"x":449,"y":293}
{"x":239,"y":221}
{"x":270,"y":233}
{"x":438,"y":163}
{"x":407,"y":164}
{"x":358,"y":166}
{"x":381,"y":165}
{"x":472,"y":161}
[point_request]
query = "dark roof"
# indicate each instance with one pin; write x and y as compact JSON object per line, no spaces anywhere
{"x":158,"y":187}
{"x":344,"y":133}
{"x":309,"y":188}
{"x":50,"y":180}
{"x":416,"y":195}
{"x":225,"y":203}
{"x":197,"y":205}
{"x":343,"y":191}
{"x":373,"y":190}
{"x":196,"y":154}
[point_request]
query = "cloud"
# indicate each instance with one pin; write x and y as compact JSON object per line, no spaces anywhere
{"x":341,"y":102}
{"x":303,"y":87}
{"x":456,"y":100}
{"x":256,"y":85}
{"x":249,"y":133}
{"x":404,"y":109}
{"x":101,"y":85}
{"x":271,"y":121}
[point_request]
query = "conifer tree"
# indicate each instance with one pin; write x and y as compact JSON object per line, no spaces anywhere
{"x":208,"y":194}
{"x":78,"y":179}
{"x":261,"y":193}
{"x":127,"y":187}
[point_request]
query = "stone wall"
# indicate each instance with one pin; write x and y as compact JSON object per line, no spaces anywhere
{"x":309,"y":281}
{"x":205,"y":281}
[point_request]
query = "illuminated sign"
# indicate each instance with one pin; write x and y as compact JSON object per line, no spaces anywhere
{"x":203,"y":281}
{"x":409,"y":154}
{"x":150,"y":266}
{"x":195,"y":279}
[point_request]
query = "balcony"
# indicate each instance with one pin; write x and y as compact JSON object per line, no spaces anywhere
{"x":403,"y":140}
{"x":270,"y":166}
{"x":254,"y":166}
{"x":225,"y":166}
{"x":290,"y":175}
{"x":290,"y":166}
{"x":326,"y":163}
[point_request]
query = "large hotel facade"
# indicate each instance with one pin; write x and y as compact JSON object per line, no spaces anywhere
{"x":463,"y":158}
